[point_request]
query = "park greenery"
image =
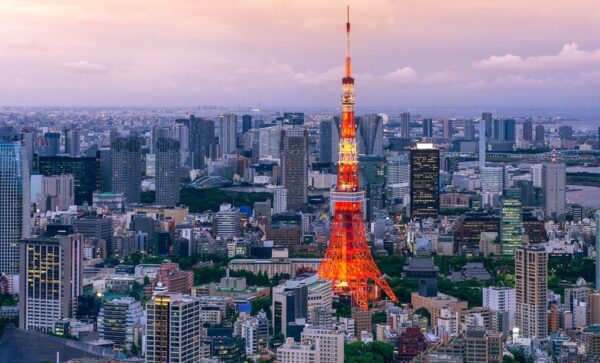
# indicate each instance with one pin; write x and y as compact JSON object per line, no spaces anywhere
{"x":582,"y":178}
{"x":202,"y":200}
{"x":372,"y":352}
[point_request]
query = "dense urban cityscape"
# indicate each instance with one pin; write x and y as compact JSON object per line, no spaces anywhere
{"x":298,"y":234}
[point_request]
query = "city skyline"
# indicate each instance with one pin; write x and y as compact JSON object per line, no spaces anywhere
{"x":188,"y":53}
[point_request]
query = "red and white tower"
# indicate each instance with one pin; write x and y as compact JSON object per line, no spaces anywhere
{"x":348,"y":263}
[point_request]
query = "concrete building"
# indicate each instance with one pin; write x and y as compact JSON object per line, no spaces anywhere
{"x":57,"y":193}
{"x":511,"y":221}
{"x":329,"y":139}
{"x":228,"y":133}
{"x":14,"y":204}
{"x":167,"y":171}
{"x":531,"y":282}
{"x":330,"y":341}
{"x":554,"y":182}
{"x":405,"y":125}
{"x":50,"y":280}
{"x":294,"y":352}
{"x":173,"y":329}
{"x":424,"y":181}
{"x":126,"y":160}
{"x":492,"y":179}
{"x":501,"y":299}
{"x":294,"y":167}
{"x":279,"y":200}
{"x":118,"y":319}
{"x":228,"y":221}
{"x":369,"y":135}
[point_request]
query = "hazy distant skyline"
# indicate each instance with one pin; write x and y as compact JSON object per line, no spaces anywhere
{"x":274,"y":52}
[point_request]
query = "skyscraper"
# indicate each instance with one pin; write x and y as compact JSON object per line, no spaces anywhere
{"x":126,"y":159}
{"x":482,"y":138}
{"x":553,"y":181}
{"x":294,"y":166}
{"x":85,"y":171}
{"x":371,"y":170}
{"x":492,"y":179}
{"x":447,"y":128}
{"x":50,"y":280}
{"x":427,"y":128}
{"x":52,"y":139}
{"x":228,"y":133}
{"x":14,"y":203}
{"x":469,"y":130}
{"x":405,"y":125}
{"x":173,"y":329}
{"x":424,"y":181}
{"x":279,"y":199}
{"x":246,"y":123}
{"x":329,"y":138}
{"x":72,"y":140}
{"x":565,"y":132}
{"x":201,"y":139}
{"x":370,"y":135}
{"x":531,"y":282}
{"x":167,"y":171}
{"x":528,"y":131}
{"x":511,"y":221}
{"x":488,"y":120}
{"x":539,"y":134}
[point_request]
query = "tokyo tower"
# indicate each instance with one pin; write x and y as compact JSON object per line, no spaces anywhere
{"x":348,"y":263}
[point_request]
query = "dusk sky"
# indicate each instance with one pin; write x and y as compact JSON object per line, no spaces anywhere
{"x":275,"y":52}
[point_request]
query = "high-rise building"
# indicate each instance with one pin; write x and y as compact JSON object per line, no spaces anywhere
{"x":528,"y":131}
{"x":289,"y":304}
{"x":294,"y":167}
{"x":118,"y":319}
{"x":167,"y":171}
{"x":57,"y":193}
{"x":329,"y":138}
{"x":279,"y":200}
{"x":370,"y":134}
{"x":447,"y":128}
{"x":554,"y":182}
{"x":597,"y":219}
{"x":330,"y":341}
{"x":246,"y":123}
{"x":501,"y":299}
{"x":201,"y":139}
{"x":510,"y":130}
{"x":511,"y":221}
{"x":427,"y":128}
{"x":173,"y":329}
{"x":492,"y":179}
{"x":469,"y":130}
{"x":371,"y":170}
{"x":126,"y":160}
{"x":227,"y":221}
{"x":405,"y":125}
{"x":398,"y":170}
{"x":531,"y":282}
{"x":424,"y":181}
{"x":228,"y":133}
{"x":14,"y":204}
{"x":537,"y":175}
{"x":483,"y":346}
{"x":92,"y":226}
{"x":105,"y":170}
{"x":50,"y":280}
{"x":482,"y":138}
{"x":565,"y":132}
{"x":72,"y":142}
{"x":539,"y":134}
{"x":487,"y":119}
{"x":52,"y":140}
{"x":85,"y":172}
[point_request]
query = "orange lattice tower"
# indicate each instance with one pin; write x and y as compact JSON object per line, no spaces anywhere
{"x":348,"y":263}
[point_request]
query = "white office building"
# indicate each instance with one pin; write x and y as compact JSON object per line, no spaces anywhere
{"x":501,"y":299}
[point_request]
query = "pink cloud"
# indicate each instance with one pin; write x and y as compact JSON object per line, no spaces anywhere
{"x":84,"y":67}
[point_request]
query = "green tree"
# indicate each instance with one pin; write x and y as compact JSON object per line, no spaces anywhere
{"x":379,"y":317}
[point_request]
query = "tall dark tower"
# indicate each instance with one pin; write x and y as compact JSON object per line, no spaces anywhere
{"x":348,"y":263}
{"x":424,"y":181}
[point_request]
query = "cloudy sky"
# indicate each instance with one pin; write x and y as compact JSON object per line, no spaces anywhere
{"x":290,"y":52}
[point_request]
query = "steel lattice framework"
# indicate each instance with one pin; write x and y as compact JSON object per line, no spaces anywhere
{"x":348,"y":263}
